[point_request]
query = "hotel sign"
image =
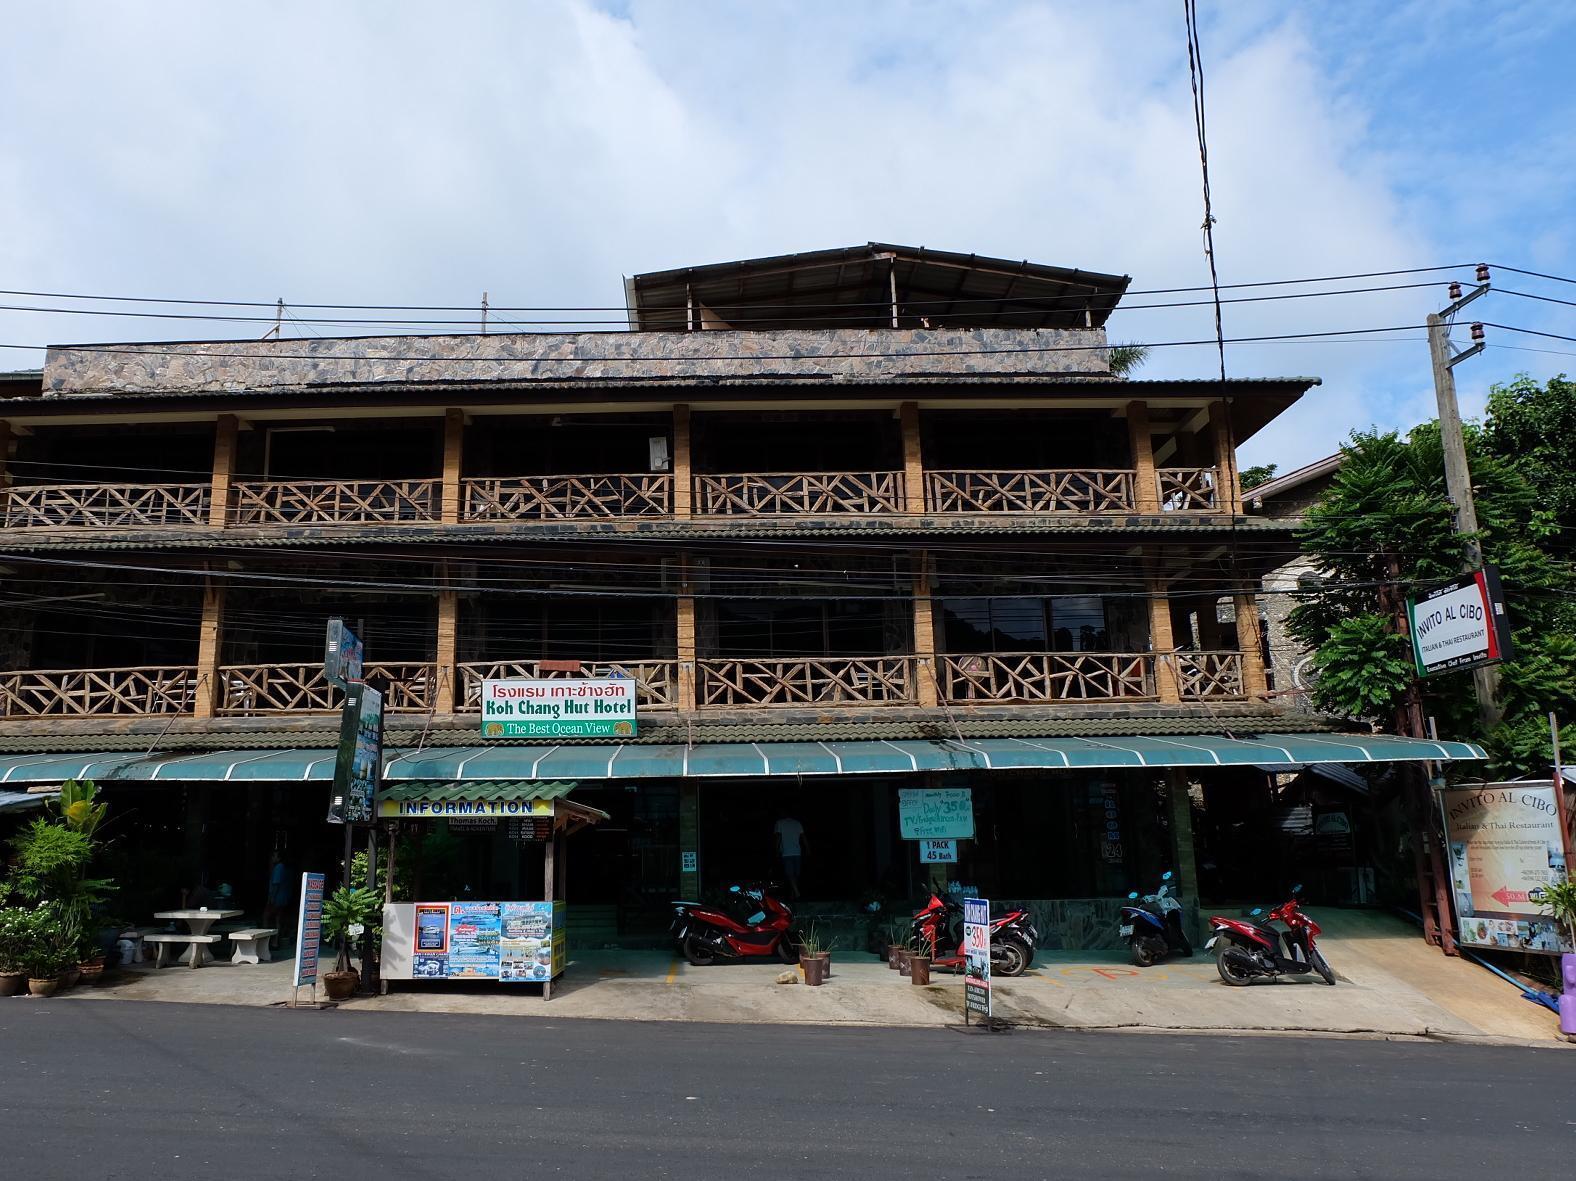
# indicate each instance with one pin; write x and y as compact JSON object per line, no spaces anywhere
{"x":583,"y":707}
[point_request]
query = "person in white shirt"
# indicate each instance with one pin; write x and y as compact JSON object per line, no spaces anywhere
{"x":790,"y":850}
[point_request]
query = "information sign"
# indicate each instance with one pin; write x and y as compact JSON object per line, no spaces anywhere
{"x":582,"y":707}
{"x":976,"y":956}
{"x":511,"y":942}
{"x":1460,"y":625}
{"x":1505,"y":844}
{"x":934,"y":852}
{"x":935,"y":813}
{"x":309,"y":928}
{"x":360,"y":762}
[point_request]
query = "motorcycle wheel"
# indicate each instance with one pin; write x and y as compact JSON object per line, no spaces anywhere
{"x":1014,"y":959}
{"x":1234,"y":967}
{"x":1143,"y":955}
{"x":788,"y":947}
{"x":698,"y":952}
{"x":1321,"y":967}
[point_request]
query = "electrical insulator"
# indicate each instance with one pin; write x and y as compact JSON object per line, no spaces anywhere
{"x":1455,"y":290}
{"x":1482,"y":272}
{"x":1477,"y":333}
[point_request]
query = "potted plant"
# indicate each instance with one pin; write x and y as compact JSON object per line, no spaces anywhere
{"x":16,"y":932}
{"x":919,"y":962}
{"x":897,"y":939}
{"x":810,"y":961}
{"x":346,"y":913}
{"x":47,"y":955}
{"x":1559,"y":902}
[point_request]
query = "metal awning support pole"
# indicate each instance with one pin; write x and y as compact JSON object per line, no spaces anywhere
{"x":548,"y":868}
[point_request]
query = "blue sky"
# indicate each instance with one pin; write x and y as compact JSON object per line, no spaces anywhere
{"x":401,"y":152}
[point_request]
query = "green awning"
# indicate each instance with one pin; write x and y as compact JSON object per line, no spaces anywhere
{"x":489,"y":790}
{"x":538,"y":764}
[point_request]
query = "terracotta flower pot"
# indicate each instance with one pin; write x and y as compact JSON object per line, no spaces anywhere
{"x":341,"y":986}
{"x":12,"y":983}
{"x":919,"y":969}
{"x":814,"y":970}
{"x":894,"y":950}
{"x":826,"y":964}
{"x":46,"y":987}
{"x":92,"y":969}
{"x":69,"y":978}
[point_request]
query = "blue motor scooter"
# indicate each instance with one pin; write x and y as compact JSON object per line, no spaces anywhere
{"x":1152,"y":925}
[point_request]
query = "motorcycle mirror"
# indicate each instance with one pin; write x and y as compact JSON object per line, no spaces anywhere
{"x":1132,"y":896}
{"x":1166,"y":877}
{"x":1257,"y":910}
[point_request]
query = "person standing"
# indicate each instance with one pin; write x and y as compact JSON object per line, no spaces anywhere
{"x":789,"y":835}
{"x":277,"y":904}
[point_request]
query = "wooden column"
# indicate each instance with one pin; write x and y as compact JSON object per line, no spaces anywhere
{"x":1250,"y":642}
{"x":210,"y":645}
{"x":453,"y":459}
{"x":913,"y":460}
{"x":689,"y":838}
{"x":5,"y":453}
{"x":1146,"y":485}
{"x":683,"y":477}
{"x":684,"y":615}
{"x":1162,"y":642}
{"x":447,"y":655}
{"x":926,"y":672}
{"x":1230,"y":499}
{"x":1184,"y":864}
{"x":224,"y":432}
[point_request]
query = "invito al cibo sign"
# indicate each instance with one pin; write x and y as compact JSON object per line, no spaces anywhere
{"x":1460,"y":625}
{"x":583,"y":707}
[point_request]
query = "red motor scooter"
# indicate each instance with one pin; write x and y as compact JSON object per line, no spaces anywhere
{"x":938,"y":926}
{"x":749,"y":925}
{"x":1246,"y":949}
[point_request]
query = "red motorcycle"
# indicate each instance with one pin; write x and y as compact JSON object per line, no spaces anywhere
{"x":750,"y":924}
{"x":1246,"y":949}
{"x":939,"y":926}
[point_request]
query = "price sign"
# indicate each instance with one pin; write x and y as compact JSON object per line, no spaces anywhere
{"x":934,"y":852}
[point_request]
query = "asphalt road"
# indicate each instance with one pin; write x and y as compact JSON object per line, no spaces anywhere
{"x":127,"y":1089}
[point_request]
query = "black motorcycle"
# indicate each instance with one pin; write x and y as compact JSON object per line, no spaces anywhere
{"x":1152,"y":925}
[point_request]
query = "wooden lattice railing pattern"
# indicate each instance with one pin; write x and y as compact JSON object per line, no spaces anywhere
{"x":656,"y":681}
{"x":49,"y":506}
{"x":1207,"y":676}
{"x":562,"y":498}
{"x":1014,"y":677}
{"x":769,"y":494}
{"x":335,"y":502}
{"x":252,"y":689}
{"x":1188,"y":488}
{"x":38,"y":693}
{"x":831,"y":680}
{"x":1101,"y":490}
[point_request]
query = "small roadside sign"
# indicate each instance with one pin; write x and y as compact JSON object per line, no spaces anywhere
{"x":976,"y":956}
{"x":309,"y":929}
{"x":933,"y":852}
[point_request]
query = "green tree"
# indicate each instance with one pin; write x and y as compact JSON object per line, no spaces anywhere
{"x":1534,"y":427}
{"x":1252,"y":477}
{"x":1385,"y":530}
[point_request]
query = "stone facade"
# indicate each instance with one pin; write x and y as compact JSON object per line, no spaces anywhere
{"x":860,"y":354}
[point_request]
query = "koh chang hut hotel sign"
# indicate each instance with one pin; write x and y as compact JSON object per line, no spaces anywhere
{"x":585,"y":707}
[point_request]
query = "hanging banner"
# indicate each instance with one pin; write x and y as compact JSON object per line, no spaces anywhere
{"x":342,"y":655}
{"x":584,"y":707}
{"x":309,"y":928}
{"x":360,"y":763}
{"x":976,"y":955}
{"x":1505,"y":844}
{"x":935,"y":813}
{"x":1460,"y":625}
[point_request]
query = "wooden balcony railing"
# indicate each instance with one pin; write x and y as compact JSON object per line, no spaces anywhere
{"x":656,"y":681}
{"x":1008,"y":678}
{"x":776,"y":494}
{"x":1184,"y":489}
{"x":1102,"y":490}
{"x":1209,"y":676}
{"x":255,"y":689}
{"x":105,"y":506}
{"x":43,"y":693}
{"x":335,"y":502}
{"x":810,"y":681}
{"x":567,"y":498}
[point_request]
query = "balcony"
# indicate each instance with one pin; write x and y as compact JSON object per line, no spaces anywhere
{"x":101,"y":692}
{"x":253,"y":690}
{"x":1188,"y":489}
{"x":105,"y":506}
{"x":1210,"y":676}
{"x":805,"y":682}
{"x":656,"y":681}
{"x":567,"y":498}
{"x":1016,"y":678}
{"x":336,"y":502}
{"x":788,"y":494}
{"x":1008,"y":491}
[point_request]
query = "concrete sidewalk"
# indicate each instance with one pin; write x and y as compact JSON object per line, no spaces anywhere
{"x":1391,"y":985}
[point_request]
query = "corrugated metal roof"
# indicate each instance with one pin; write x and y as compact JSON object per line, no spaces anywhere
{"x":477,"y":789}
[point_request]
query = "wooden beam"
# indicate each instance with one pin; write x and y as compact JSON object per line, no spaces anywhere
{"x":223,"y":470}
{"x":683,"y":478}
{"x":453,"y":461}
{"x":1249,"y":641}
{"x":1146,"y":490}
{"x":210,"y":646}
{"x":689,"y":838}
{"x":685,"y":640}
{"x":913,"y":461}
{"x":5,"y":453}
{"x":925,"y":671}
{"x":1226,"y":458}
{"x":1162,"y":642}
{"x":447,"y":655}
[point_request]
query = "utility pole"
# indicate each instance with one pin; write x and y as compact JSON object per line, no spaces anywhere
{"x":1458,"y":476}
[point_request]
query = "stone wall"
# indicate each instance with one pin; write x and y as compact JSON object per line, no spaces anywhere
{"x":861,"y":354}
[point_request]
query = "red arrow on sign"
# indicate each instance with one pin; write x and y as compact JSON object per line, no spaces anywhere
{"x":1505,"y":896}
